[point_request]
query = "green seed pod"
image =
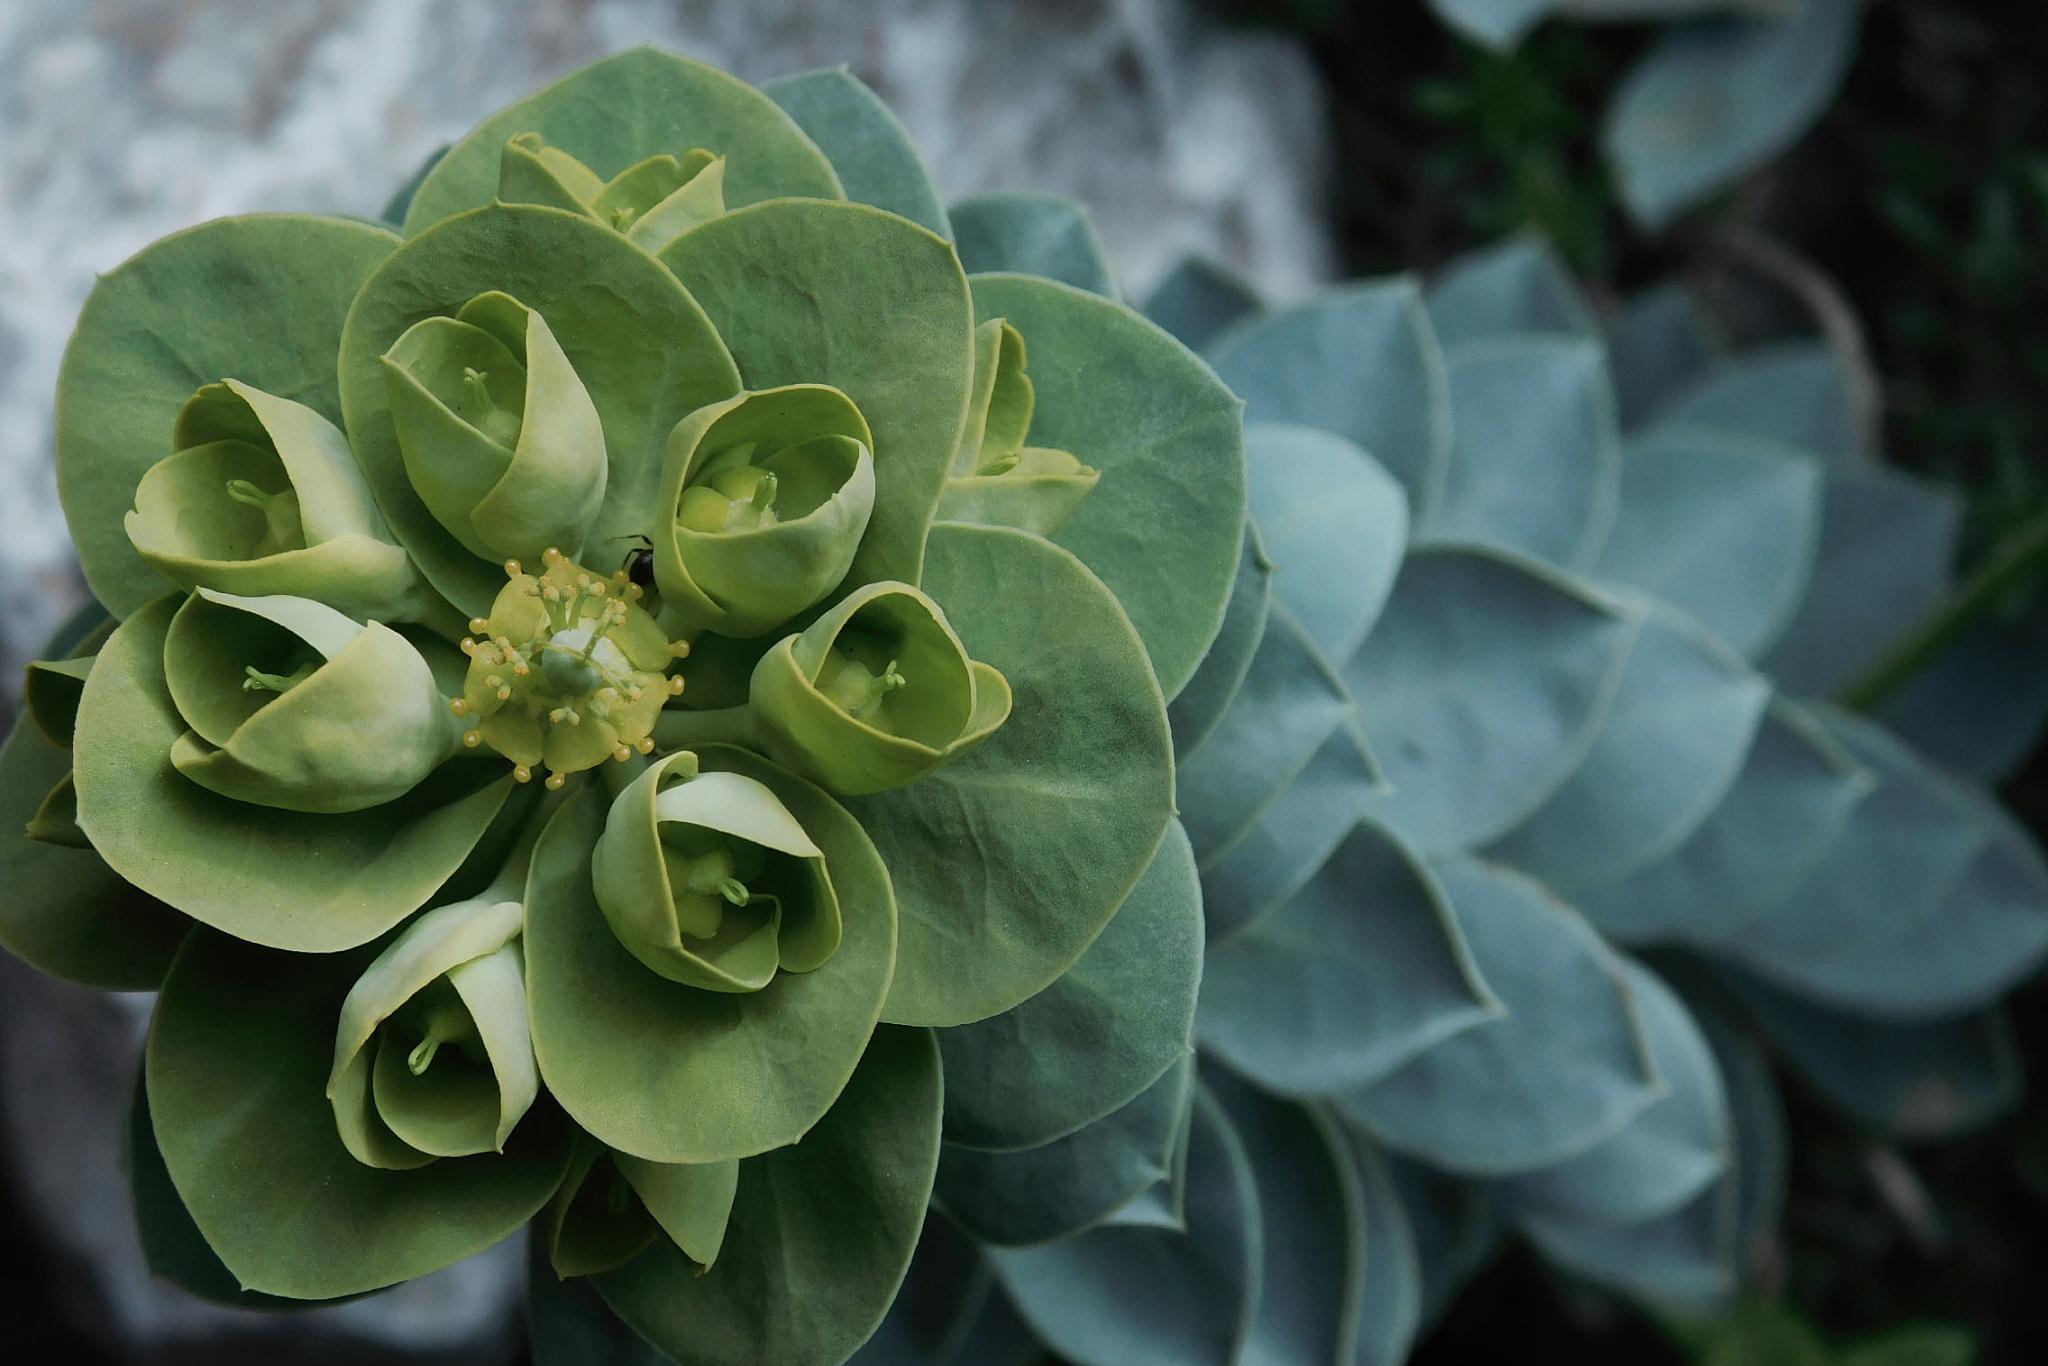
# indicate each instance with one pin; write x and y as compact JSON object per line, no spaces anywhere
{"x":653,"y":201}
{"x":260,"y":495}
{"x":710,"y":881}
{"x":288,"y":703}
{"x":997,"y":480}
{"x":876,"y":693}
{"x":499,"y":436}
{"x":567,"y":671}
{"x":768,"y":496}
{"x":432,"y":1057}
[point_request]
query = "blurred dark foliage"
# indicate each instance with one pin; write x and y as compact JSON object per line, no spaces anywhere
{"x":1924,"y":194}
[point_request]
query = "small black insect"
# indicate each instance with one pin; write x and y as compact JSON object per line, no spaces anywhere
{"x":639,"y":564}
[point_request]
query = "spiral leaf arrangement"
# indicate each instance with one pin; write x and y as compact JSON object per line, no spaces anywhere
{"x":1527,"y":833}
{"x":600,"y":697}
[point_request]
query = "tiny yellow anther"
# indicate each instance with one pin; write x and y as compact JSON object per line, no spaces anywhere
{"x":493,"y":681}
{"x":597,"y":588}
{"x":504,"y":694}
{"x":459,"y":705}
{"x":512,"y":569}
{"x":555,"y":781}
{"x":479,"y":624}
{"x":550,"y":556}
{"x":468,"y":646}
{"x":621,"y":753}
{"x":675,"y":686}
{"x":634,"y":592}
{"x":472,"y":738}
{"x":679,"y":648}
{"x":645,"y":745}
{"x":522,"y":774}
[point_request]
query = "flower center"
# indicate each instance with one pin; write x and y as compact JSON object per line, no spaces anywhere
{"x":559,"y":651}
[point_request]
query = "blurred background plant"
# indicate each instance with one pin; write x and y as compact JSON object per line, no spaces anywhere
{"x":1921,"y":191}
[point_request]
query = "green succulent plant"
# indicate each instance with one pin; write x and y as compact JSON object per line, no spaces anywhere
{"x":1527,"y":833}
{"x":1727,"y":87}
{"x":610,"y":688}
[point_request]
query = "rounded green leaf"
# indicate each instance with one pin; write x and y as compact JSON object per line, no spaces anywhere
{"x":1563,"y":1067}
{"x":1335,"y":525}
{"x":266,"y":1177}
{"x":809,"y":292}
{"x":864,"y":141}
{"x":1796,"y":792}
{"x":1518,"y":286}
{"x":638,"y":343}
{"x":1887,"y":539}
{"x":66,"y":912}
{"x":1496,"y":675}
{"x":1361,"y":971}
{"x":240,"y":868}
{"x":674,"y":1073}
{"x":1536,"y":453}
{"x":259,"y":299}
{"x":1361,"y":361}
{"x":614,"y":113}
{"x":1292,"y":703}
{"x":1720,"y":525}
{"x":1099,"y":1035}
{"x":821,"y":1233}
{"x":1023,"y":232}
{"x":1127,"y":1295}
{"x":1198,"y":299}
{"x":1066,"y":804}
{"x":1313,"y":1238}
{"x":1673,"y":744}
{"x":1164,"y":525}
{"x":1713,"y":101}
{"x":1657,"y":344}
{"x":1197,"y":708}
{"x":1089,"y":1177}
{"x":1796,"y":393}
{"x":1673,"y":1151}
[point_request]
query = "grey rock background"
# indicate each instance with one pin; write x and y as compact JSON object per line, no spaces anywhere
{"x":124,"y":120}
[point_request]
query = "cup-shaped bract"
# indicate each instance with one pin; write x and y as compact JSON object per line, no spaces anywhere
{"x":567,"y":671}
{"x":653,"y":201}
{"x":288,"y":703}
{"x":432,"y":1057}
{"x":260,"y":495}
{"x":874,"y":694}
{"x":766,"y":497}
{"x":613,"y":1205}
{"x":709,"y":880}
{"x":996,"y":479}
{"x":500,"y":438}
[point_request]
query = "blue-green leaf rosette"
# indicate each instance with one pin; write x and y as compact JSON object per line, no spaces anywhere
{"x":1527,"y":830}
{"x":567,"y":750}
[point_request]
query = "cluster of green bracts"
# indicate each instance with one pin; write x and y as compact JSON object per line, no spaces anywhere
{"x":605,"y":683}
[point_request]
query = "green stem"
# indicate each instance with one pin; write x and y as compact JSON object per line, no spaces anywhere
{"x":2021,"y":554}
{"x":681,"y":728}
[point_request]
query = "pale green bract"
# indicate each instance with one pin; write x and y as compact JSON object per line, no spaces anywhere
{"x":596,"y":722}
{"x":1519,"y":837}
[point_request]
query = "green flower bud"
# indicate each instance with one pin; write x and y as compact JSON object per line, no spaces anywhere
{"x":432,"y":1057}
{"x":769,"y":494}
{"x":567,"y":671}
{"x":652,"y":202}
{"x":261,"y":496}
{"x":876,"y":693}
{"x":499,"y":436}
{"x":291,"y":704}
{"x":997,"y":480}
{"x":709,"y":880}
{"x":611,"y":1206}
